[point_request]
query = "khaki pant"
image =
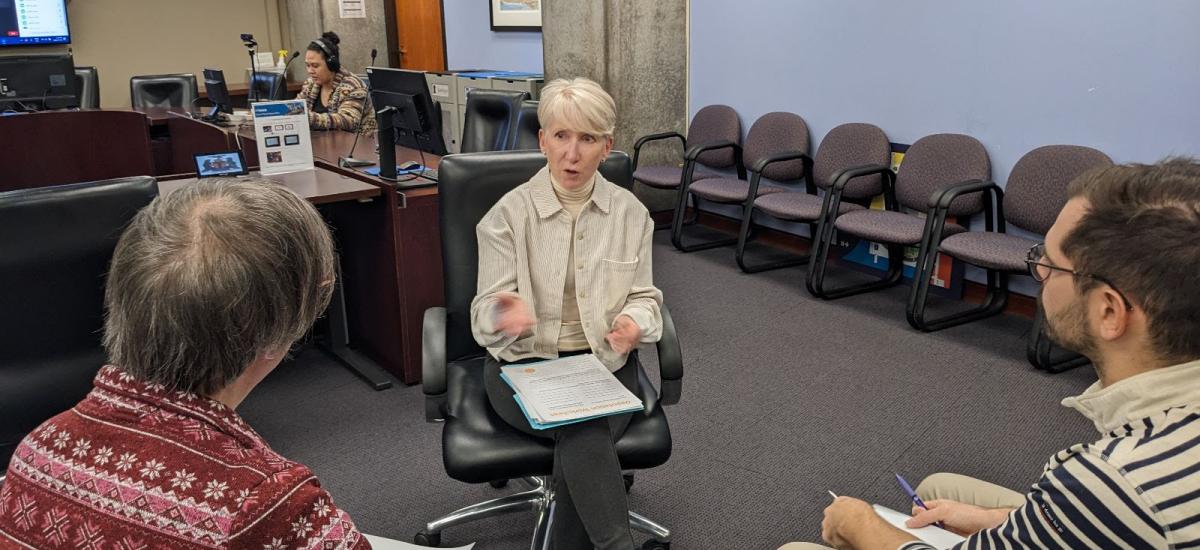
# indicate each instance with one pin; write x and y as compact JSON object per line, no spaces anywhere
{"x":949,"y":487}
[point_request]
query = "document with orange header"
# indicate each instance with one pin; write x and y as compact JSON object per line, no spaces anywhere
{"x":567,"y":390}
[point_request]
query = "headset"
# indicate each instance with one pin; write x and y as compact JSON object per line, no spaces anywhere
{"x":331,"y":59}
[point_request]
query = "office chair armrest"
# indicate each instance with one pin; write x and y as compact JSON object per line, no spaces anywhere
{"x":993,"y":202}
{"x":433,"y":363}
{"x":762,"y":163}
{"x":841,"y":179}
{"x":655,"y":137}
{"x":670,"y":361}
{"x":943,"y":196}
{"x":696,"y":150}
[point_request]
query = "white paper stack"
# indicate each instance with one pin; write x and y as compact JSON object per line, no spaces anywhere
{"x":568,"y":390}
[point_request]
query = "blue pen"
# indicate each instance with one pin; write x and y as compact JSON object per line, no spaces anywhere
{"x":913,"y":495}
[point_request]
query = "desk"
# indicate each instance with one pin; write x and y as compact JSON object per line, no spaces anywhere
{"x":390,"y":246}
{"x":349,"y":206}
{"x":394,"y":300}
{"x":239,"y":94}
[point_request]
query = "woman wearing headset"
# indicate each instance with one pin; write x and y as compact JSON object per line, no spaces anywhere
{"x":335,"y":97}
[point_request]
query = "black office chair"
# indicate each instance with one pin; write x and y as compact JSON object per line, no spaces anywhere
{"x":269,"y":86}
{"x":490,"y":115}
{"x":55,"y":246}
{"x":477,"y":445}
{"x":163,"y":90}
{"x":524,"y":134}
{"x":87,"y":81}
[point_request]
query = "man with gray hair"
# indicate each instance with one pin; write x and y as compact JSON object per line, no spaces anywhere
{"x":208,"y":288}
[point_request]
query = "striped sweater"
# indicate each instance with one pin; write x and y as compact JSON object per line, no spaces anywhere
{"x":1137,"y":487}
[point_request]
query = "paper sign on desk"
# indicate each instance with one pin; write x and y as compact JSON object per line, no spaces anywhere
{"x":284,"y":142}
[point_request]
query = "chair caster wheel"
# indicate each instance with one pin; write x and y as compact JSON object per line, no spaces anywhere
{"x":628,"y":482}
{"x":655,"y":545}
{"x":498,"y":483}
{"x":432,"y":540}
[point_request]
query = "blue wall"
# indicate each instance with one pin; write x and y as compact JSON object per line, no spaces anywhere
{"x":471,"y":44}
{"x":1123,"y":77}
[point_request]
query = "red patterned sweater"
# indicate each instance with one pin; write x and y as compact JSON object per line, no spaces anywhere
{"x":134,"y":466}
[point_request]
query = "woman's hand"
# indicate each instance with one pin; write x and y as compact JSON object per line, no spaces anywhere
{"x":624,"y":335}
{"x":512,"y":315}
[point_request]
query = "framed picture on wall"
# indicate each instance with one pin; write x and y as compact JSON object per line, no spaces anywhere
{"x":516,"y":15}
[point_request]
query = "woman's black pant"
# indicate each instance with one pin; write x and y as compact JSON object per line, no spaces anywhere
{"x":591,"y":509}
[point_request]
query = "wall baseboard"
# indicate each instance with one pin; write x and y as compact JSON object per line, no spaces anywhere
{"x":973,"y":292}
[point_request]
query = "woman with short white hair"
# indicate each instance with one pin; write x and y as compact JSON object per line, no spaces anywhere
{"x":564,"y":269}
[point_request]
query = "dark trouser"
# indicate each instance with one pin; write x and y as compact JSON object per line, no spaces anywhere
{"x":585,"y":464}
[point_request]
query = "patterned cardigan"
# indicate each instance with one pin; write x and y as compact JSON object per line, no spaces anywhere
{"x":345,"y":104}
{"x":137,"y":466}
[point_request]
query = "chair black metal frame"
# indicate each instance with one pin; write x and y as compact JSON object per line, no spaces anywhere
{"x":637,"y":151}
{"x":453,"y":386}
{"x":996,"y":296}
{"x":523,"y":136}
{"x":480,"y":100}
{"x":745,"y":232}
{"x":1044,"y":354}
{"x":189,"y":94}
{"x":825,"y":231}
{"x":689,"y":170}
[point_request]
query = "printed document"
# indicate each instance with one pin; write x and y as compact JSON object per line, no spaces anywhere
{"x":567,"y":390}
{"x":934,"y":536}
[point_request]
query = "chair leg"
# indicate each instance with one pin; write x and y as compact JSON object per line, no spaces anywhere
{"x":816,"y":273}
{"x":993,"y":303}
{"x":541,"y":500}
{"x":533,"y":499}
{"x":677,"y":228}
{"x":745,"y":236}
{"x":1044,"y":354}
{"x":645,"y":525}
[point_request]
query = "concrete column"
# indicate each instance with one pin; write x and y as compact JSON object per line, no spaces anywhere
{"x":638,"y":52}
{"x":307,"y":19}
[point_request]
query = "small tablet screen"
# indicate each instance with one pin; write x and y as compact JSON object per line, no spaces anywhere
{"x":220,"y":164}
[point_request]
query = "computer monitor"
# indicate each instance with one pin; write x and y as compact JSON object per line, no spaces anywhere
{"x":33,"y":23}
{"x":218,"y":92}
{"x":34,"y":82}
{"x":403,"y":98}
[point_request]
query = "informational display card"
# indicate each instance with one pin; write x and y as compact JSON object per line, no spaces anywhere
{"x":284,"y":142}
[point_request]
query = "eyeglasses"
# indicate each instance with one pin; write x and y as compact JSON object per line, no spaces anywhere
{"x":1040,"y":269}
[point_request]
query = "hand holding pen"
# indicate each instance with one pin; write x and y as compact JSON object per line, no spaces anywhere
{"x":916,"y":500}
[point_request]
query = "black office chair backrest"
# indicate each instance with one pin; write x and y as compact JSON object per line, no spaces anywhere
{"x":55,"y":247}
{"x":270,"y":86}
{"x":163,"y":90}
{"x":524,"y":134}
{"x":87,"y":81}
{"x":489,"y":116}
{"x":468,"y":186}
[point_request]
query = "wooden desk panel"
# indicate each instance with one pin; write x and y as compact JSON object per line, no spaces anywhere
{"x":57,"y":147}
{"x":318,"y":186}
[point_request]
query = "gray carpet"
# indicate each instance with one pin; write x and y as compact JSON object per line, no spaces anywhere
{"x":785,"y":397}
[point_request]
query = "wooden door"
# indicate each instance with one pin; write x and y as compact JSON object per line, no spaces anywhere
{"x":420,"y":35}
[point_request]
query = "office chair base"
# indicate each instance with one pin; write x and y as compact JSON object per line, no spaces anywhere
{"x":540,"y":499}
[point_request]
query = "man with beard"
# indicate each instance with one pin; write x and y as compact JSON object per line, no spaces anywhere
{"x":1120,"y":285}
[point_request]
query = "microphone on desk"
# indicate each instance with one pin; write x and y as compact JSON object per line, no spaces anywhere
{"x":288,"y":63}
{"x":349,"y":161}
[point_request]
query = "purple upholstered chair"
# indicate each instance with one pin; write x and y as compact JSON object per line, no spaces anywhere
{"x":714,"y":124}
{"x":776,"y":148}
{"x":931,"y":164}
{"x":844,"y":147}
{"x":1036,"y":192}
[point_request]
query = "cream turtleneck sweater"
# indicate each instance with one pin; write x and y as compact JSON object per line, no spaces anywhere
{"x":571,"y":337}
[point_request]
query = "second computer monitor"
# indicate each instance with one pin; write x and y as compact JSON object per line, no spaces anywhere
{"x":217,"y":91}
{"x":415,"y":115}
